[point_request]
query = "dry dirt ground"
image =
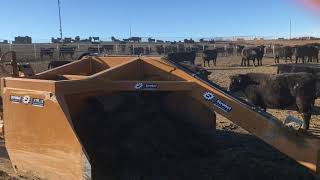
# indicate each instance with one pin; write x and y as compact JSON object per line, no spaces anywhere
{"x":190,"y":154}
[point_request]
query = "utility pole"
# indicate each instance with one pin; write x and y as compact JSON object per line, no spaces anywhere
{"x":60,"y":19}
{"x":290,"y":29}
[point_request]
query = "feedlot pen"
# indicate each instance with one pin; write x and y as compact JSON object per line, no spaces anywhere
{"x":185,"y":151}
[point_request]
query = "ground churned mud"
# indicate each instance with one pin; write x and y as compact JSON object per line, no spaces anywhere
{"x":139,"y":140}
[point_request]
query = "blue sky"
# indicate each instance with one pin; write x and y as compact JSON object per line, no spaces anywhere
{"x":156,"y":18}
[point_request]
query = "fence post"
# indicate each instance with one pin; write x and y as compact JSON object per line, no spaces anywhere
{"x":117,"y":49}
{"x":10,"y":47}
{"x":273,"y":49}
{"x":225,"y":50}
{"x":35,"y":51}
{"x":98,"y":48}
{"x":58,"y":49}
{"x":202,"y":47}
{"x":164,"y":49}
{"x":265,"y":51}
{"x":132,"y":49}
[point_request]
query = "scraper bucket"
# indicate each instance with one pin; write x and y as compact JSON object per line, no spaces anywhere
{"x":98,"y":117}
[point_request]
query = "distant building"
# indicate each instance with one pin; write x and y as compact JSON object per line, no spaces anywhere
{"x":150,"y":40}
{"x":4,"y":42}
{"x":114,"y":39}
{"x":133,"y":39}
{"x":77,"y":39}
{"x":55,"y":40}
{"x":68,"y":40}
{"x":188,"y":41}
{"x":22,"y":40}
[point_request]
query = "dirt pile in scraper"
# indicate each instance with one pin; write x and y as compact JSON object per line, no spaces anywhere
{"x":138,"y":139}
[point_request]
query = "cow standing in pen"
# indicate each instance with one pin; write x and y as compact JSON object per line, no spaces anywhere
{"x":252,"y":54}
{"x":306,"y":53}
{"x":294,"y":91}
{"x":285,"y":52}
{"x":209,"y":55}
{"x":182,"y":57}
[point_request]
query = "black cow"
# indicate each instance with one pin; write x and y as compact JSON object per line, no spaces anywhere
{"x":239,"y":49}
{"x":193,"y":48}
{"x":65,"y":50}
{"x":136,"y":50}
{"x":285,"y":91}
{"x":46,"y":52}
{"x":252,"y":53}
{"x":182,"y":57}
{"x":221,"y":51}
{"x":313,"y":54}
{"x":160,"y":49}
{"x":108,"y":48}
{"x":229,"y":51}
{"x":285,"y":52}
{"x":95,"y":49}
{"x":101,"y":49}
{"x":307,"y":68}
{"x":198,"y":70}
{"x":260,"y":54}
{"x":248,"y":53}
{"x":209,"y":55}
{"x":309,"y":52}
{"x":178,"y":48}
{"x":294,"y":68}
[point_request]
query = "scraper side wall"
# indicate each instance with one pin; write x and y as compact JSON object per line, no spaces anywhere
{"x":39,"y":139}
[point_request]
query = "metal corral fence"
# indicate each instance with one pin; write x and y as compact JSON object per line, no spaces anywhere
{"x":50,"y":51}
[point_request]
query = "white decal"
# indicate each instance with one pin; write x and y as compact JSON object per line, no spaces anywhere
{"x":37,"y":102}
{"x":138,"y":85}
{"x":208,"y":96}
{"x":217,"y":102}
{"x":15,"y":99}
{"x":26,"y":99}
{"x":143,"y":86}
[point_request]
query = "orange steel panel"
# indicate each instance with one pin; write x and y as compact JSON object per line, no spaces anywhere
{"x":89,"y":86}
{"x":123,"y":71}
{"x":81,"y":67}
{"x":29,"y":84}
{"x":114,"y":61}
{"x":42,"y":139}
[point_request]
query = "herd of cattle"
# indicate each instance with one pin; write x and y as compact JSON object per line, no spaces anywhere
{"x":295,"y":87}
{"x":302,"y":53}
